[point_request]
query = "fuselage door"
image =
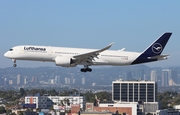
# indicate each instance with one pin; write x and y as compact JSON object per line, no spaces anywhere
{"x":50,"y":51}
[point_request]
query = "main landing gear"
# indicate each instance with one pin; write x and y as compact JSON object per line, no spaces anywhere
{"x":86,"y":69}
{"x":14,"y":65}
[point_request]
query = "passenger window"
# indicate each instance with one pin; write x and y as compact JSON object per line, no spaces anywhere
{"x":11,"y":50}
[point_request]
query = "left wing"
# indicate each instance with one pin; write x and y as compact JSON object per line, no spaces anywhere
{"x":88,"y":57}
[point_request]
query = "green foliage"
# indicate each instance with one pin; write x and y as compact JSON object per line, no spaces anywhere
{"x":8,"y":111}
{"x":2,"y":110}
{"x":90,"y":97}
{"x":168,"y":99}
{"x":102,"y":96}
{"x":66,"y":93}
{"x":22,"y":92}
{"x":35,"y":91}
{"x":9,"y":95}
{"x":177,"y":100}
{"x":52,"y":92}
{"x":42,"y":92}
{"x":106,"y":96}
{"x":14,"y":114}
{"x":20,"y":112}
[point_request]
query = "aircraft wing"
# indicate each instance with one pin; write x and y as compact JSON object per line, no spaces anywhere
{"x":88,"y":57}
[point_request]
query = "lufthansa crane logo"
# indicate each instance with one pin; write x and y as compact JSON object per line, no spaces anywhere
{"x":157,"y":48}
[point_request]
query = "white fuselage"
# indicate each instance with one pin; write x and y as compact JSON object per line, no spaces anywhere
{"x":48,"y":53}
{"x":71,"y":57}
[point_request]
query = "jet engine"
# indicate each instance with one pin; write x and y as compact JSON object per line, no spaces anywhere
{"x":64,"y":62}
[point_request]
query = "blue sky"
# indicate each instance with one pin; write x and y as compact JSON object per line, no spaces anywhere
{"x":133,"y":25}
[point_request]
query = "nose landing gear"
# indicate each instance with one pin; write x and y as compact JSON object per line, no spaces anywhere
{"x":14,"y":65}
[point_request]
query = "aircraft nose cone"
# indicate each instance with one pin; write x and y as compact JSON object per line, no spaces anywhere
{"x":6,"y":54}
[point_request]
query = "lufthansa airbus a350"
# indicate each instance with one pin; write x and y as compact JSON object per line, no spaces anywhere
{"x":71,"y":57}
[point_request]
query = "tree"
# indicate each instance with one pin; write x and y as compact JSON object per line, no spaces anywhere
{"x":22,"y":92}
{"x":52,"y":92}
{"x":8,"y":111}
{"x":90,"y":97}
{"x":2,"y":110}
{"x":20,"y":112}
{"x":12,"y":114}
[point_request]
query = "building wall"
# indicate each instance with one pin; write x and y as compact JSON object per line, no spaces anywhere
{"x":72,"y":100}
{"x":140,"y":91}
{"x":45,"y":102}
{"x":165,"y":77}
{"x":134,"y":91}
{"x":32,"y":100}
{"x":121,"y":110}
{"x":151,"y":107}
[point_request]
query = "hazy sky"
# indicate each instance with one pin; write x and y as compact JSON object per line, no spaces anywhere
{"x":133,"y":25}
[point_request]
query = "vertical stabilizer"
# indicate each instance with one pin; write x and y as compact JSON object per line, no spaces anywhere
{"x":155,"y":49}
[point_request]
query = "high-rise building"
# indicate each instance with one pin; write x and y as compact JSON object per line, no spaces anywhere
{"x":57,"y":79}
{"x":166,"y":77}
{"x":134,"y":91}
{"x":174,"y":76}
{"x":5,"y":82}
{"x":73,"y":80}
{"x":34,"y":79}
{"x":52,"y":81}
{"x":153,"y":75}
{"x":10,"y":82}
{"x":83,"y":81}
{"x":93,"y":84}
{"x":139,"y":91}
{"x":25,"y":81}
{"x":67,"y":80}
{"x":19,"y":81}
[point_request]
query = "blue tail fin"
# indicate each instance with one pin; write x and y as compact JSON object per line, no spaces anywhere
{"x":154,"y":49}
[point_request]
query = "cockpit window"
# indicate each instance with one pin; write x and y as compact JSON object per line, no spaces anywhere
{"x":10,"y":49}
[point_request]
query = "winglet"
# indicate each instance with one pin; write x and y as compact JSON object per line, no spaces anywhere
{"x":107,"y":47}
{"x":110,"y":44}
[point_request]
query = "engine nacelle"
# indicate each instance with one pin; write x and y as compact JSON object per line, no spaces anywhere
{"x":64,"y":62}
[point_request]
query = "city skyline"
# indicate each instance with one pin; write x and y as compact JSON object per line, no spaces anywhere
{"x":53,"y":77}
{"x":89,"y":24}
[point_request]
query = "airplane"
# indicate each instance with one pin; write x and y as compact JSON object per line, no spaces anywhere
{"x":71,"y":57}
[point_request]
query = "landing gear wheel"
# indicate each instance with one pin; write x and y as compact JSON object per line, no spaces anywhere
{"x":86,"y":69}
{"x":89,"y":69}
{"x":83,"y":70}
{"x":14,"y":65}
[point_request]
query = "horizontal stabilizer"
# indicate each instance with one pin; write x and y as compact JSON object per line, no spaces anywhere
{"x":159,"y":57}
